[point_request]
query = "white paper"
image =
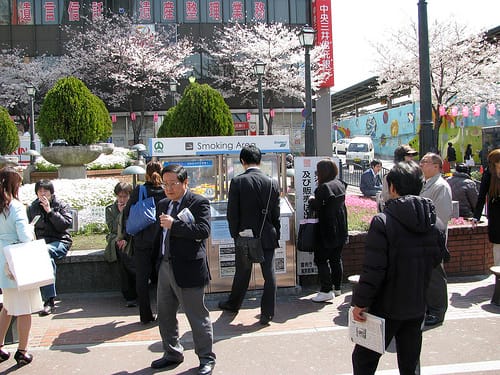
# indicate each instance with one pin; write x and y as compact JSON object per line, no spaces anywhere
{"x":246,"y":233}
{"x":186,"y":216}
{"x":370,"y":333}
{"x":30,"y":264}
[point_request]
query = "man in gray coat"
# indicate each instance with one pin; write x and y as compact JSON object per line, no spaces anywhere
{"x":437,"y":189}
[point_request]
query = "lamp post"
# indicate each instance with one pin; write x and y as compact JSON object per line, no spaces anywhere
{"x":259,"y":68}
{"x":306,"y":38}
{"x":426,"y":136}
{"x":31,"y":93}
{"x":173,"y":89}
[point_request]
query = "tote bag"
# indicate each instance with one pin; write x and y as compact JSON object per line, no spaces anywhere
{"x":142,"y":213}
{"x":30,"y":264}
{"x":308,"y":234}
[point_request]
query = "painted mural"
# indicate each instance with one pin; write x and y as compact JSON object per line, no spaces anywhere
{"x":393,"y":127}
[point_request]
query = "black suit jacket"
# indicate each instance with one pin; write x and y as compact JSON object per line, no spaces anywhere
{"x":248,"y":194}
{"x":188,"y":252}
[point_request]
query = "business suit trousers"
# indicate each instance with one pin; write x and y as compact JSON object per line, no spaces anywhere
{"x":437,"y":293}
{"x":242,"y":279}
{"x":126,"y":266}
{"x":144,"y":273}
{"x":170,"y":296}
{"x":408,"y":334}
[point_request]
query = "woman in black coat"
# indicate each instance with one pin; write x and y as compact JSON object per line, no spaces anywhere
{"x":490,"y":188}
{"x":328,"y":204}
{"x":144,"y":253}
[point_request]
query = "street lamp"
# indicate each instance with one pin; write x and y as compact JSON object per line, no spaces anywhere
{"x":306,"y":38}
{"x":173,"y":89}
{"x":259,"y":68}
{"x":31,"y":93}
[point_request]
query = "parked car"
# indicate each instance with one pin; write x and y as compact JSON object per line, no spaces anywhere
{"x":341,"y":146}
{"x":360,"y":151}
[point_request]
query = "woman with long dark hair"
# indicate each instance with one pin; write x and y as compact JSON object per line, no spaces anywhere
{"x":328,"y":204}
{"x":144,"y":255}
{"x":14,"y":227}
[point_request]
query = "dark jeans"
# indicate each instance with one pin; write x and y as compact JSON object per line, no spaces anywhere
{"x":408,"y":334}
{"x":330,"y":270}
{"x":242,"y":279}
{"x":126,"y":265}
{"x":57,"y":250}
{"x":145,"y":271}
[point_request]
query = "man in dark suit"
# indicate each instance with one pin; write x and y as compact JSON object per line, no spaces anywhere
{"x":183,"y":270}
{"x":370,"y":183}
{"x":246,"y":210}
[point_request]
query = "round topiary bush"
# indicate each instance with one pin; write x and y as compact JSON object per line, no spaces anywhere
{"x":71,"y":112}
{"x":166,"y":124}
{"x":9,"y":139}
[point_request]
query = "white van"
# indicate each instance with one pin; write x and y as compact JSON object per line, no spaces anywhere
{"x":360,"y":151}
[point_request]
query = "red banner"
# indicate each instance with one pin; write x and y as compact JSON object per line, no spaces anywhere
{"x":322,"y":22}
{"x":241,"y":125}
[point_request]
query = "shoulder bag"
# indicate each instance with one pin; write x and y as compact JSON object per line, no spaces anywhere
{"x":142,"y":213}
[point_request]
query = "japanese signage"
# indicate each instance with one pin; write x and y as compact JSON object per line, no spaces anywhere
{"x":168,"y":11}
{"x":259,"y":10}
{"x":25,"y":12}
{"x":237,"y":10}
{"x":216,"y":145}
{"x":214,"y":11}
{"x":322,"y":21}
{"x":191,"y":10}
{"x":144,"y":11}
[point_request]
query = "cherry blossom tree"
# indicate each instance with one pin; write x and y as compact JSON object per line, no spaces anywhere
{"x":128,"y":65}
{"x":465,"y":67}
{"x":236,"y":47}
{"x":17,"y":72}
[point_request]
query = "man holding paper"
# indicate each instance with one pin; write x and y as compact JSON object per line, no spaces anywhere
{"x":403,"y":245}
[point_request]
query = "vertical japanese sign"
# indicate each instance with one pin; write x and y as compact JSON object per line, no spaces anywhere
{"x":191,"y":10}
{"x":168,"y":11}
{"x":50,"y":12}
{"x":259,"y":8}
{"x":322,"y":22}
{"x":73,"y":11}
{"x":237,"y":10}
{"x":96,"y":9}
{"x":144,"y":11}
{"x":25,"y":13}
{"x":214,"y":11}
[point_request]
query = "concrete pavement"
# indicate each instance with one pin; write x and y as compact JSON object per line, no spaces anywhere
{"x":96,"y":334}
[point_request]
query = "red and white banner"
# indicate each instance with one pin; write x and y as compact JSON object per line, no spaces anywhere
{"x":322,"y":23}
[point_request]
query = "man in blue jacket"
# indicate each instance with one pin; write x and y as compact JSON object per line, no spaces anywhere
{"x":371,"y":183}
{"x":403,"y":246}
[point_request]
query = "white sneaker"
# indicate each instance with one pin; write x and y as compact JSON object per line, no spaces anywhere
{"x":322,"y":297}
{"x":337,"y":292}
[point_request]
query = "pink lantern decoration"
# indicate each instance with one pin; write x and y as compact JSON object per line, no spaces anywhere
{"x":476,"y":110}
{"x":465,"y":111}
{"x":133,"y":116}
{"x":491,"y":109}
{"x":442,"y":110}
{"x":155,"y":117}
{"x":249,"y":116}
{"x":113,"y":118}
{"x":454,"y":110}
{"x":271,"y":113}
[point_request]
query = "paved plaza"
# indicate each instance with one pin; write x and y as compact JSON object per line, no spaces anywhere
{"x":96,"y":334}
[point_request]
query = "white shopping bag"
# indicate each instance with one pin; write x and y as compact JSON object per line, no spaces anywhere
{"x":30,"y":264}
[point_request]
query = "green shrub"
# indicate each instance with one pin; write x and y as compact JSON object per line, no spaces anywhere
{"x":167,"y":123}
{"x":9,"y":140}
{"x":71,"y":112}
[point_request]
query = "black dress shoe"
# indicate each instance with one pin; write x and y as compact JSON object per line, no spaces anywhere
{"x":150,"y":320}
{"x":23,"y":358}
{"x":165,"y":362}
{"x":265,"y":319}
{"x":206,"y":369}
{"x":227,"y":307}
{"x":432,"y":320}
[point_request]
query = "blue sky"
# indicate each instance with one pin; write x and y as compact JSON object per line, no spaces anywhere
{"x":356,"y":23}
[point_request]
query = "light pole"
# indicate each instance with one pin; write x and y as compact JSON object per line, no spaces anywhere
{"x":259,"y":68}
{"x":31,"y":93}
{"x":173,"y":89}
{"x":306,"y":38}
{"x":426,"y":136}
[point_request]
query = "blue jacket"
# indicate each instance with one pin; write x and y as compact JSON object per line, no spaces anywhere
{"x":369,"y":183}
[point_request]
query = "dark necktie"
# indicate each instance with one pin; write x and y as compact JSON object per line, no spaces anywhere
{"x":166,"y":244}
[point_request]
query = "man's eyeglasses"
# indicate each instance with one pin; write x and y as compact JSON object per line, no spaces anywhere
{"x":426,"y":162}
{"x":170,"y":185}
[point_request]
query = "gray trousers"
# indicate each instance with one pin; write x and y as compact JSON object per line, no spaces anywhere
{"x":169,"y":297}
{"x":437,"y":293}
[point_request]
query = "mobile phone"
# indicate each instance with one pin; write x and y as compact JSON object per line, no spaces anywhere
{"x":35,"y":219}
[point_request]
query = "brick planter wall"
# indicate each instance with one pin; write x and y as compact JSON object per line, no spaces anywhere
{"x":104,"y":173}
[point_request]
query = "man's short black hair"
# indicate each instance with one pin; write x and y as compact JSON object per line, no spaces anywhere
{"x":178,"y":169}
{"x":375,"y":162}
{"x":44,"y":184}
{"x":250,"y":155}
{"x":406,"y":178}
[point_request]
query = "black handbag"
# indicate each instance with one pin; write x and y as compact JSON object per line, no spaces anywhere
{"x":307,"y":239}
{"x":251,"y":247}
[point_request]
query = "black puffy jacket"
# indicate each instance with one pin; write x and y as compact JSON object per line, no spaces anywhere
{"x":403,"y":245}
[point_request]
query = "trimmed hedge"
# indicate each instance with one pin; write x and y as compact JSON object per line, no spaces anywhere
{"x":9,"y":139}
